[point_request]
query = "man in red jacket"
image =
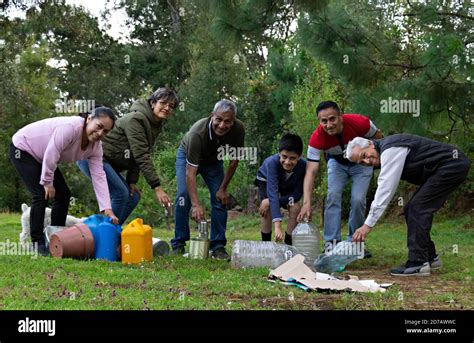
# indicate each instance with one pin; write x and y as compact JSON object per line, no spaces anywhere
{"x":335,"y":130}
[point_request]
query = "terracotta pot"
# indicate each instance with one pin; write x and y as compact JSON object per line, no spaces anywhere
{"x":75,"y":241}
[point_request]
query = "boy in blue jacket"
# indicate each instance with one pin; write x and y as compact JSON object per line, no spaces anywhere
{"x":280,"y":184}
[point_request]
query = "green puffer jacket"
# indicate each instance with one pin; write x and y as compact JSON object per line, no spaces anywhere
{"x":129,"y":146}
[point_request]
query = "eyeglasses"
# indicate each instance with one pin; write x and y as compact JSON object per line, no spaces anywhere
{"x":165,"y":104}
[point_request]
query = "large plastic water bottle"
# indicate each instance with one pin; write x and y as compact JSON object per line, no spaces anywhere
{"x":342,"y":254}
{"x":247,"y":254}
{"x":306,"y":241}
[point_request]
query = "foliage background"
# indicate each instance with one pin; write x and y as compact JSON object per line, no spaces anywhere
{"x":276,"y":59}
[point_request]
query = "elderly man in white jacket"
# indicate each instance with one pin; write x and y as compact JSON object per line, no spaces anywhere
{"x":436,"y":167}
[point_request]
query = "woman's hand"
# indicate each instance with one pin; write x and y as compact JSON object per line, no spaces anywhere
{"x":49,"y":192}
{"x":134,"y":189}
{"x":109,"y":213}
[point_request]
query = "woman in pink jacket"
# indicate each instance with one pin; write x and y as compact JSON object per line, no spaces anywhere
{"x":37,"y":149}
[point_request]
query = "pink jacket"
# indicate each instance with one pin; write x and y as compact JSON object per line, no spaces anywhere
{"x":58,"y":139}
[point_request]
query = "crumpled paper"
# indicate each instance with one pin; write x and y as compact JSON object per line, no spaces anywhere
{"x":295,"y":271}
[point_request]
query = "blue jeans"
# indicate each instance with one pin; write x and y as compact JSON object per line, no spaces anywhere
{"x":122,"y":203}
{"x":338,"y":175}
{"x":213,"y":176}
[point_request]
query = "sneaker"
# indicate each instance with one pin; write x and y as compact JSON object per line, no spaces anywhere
{"x":412,"y":269}
{"x":436,"y":263}
{"x":220,"y":254}
{"x":178,"y":251}
{"x":40,"y":248}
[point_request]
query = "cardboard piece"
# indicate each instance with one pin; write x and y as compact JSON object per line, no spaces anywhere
{"x":295,"y":270}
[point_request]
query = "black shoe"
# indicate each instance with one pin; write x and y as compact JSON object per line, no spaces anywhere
{"x":412,"y":269}
{"x":40,"y":248}
{"x":220,"y":254}
{"x":43,"y":251}
{"x":367,"y":254}
{"x":178,"y":251}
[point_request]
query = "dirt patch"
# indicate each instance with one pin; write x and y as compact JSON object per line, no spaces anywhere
{"x":307,"y":301}
{"x":232,"y":214}
{"x":424,"y":293}
{"x":407,"y":293}
{"x":299,"y":301}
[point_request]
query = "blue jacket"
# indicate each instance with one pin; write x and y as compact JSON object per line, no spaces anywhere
{"x":280,"y":188}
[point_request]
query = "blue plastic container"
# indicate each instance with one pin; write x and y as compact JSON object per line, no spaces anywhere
{"x":93,"y":223}
{"x":106,"y":237}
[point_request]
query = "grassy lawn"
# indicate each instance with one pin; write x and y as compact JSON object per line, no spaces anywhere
{"x":178,"y":283}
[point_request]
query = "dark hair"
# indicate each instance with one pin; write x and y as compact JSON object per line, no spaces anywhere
{"x":291,"y":142}
{"x":164,"y":93}
{"x":327,"y":104}
{"x":99,"y":112}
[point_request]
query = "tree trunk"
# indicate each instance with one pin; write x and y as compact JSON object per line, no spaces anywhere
{"x":252,"y":200}
{"x":176,"y":23}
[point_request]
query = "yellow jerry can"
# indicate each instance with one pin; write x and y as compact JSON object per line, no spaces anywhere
{"x":137,"y":244}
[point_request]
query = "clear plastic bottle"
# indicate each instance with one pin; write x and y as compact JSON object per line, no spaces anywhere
{"x":247,"y":254}
{"x":344,"y":252}
{"x":306,"y":241}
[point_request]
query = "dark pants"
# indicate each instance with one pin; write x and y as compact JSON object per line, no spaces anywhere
{"x":428,"y":199}
{"x":262,"y":191}
{"x":30,"y":172}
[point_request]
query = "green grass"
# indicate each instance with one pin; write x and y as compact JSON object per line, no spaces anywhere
{"x":178,"y":283}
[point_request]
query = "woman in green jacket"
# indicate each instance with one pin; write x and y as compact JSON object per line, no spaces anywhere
{"x":129,"y":146}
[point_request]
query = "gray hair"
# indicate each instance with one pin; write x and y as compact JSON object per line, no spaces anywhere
{"x":225,"y":105}
{"x":358,"y":141}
